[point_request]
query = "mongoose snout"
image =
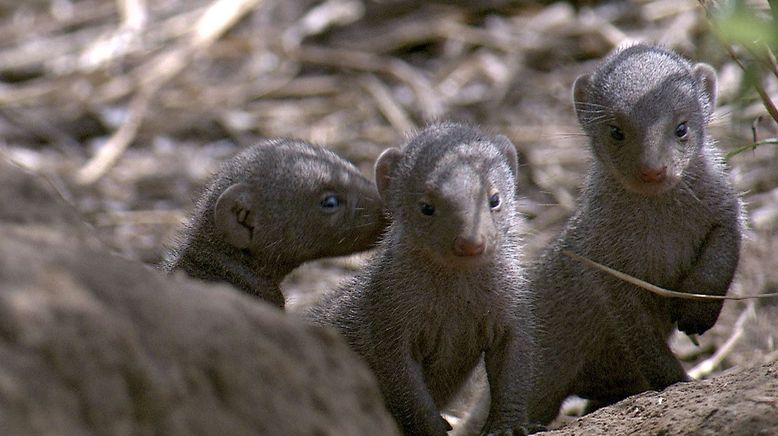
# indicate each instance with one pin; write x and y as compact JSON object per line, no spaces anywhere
{"x":653,"y":175}
{"x":469,"y":246}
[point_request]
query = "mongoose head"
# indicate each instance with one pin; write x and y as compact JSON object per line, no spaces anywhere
{"x":450,"y":192}
{"x":646,"y":110}
{"x":287,"y":202}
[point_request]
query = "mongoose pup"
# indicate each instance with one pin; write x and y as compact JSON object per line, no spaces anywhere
{"x":658,"y":205}
{"x":272,"y":207}
{"x":444,"y":286}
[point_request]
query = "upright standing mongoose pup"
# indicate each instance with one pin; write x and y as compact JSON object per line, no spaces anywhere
{"x":657,"y":205}
{"x":272,"y":207}
{"x":444,"y":285}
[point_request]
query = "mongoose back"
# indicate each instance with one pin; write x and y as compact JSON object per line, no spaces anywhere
{"x":658,"y":205}
{"x":272,"y":207}
{"x":443,"y":287}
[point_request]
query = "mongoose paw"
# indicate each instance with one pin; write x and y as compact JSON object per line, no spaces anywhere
{"x":694,"y":328}
{"x":694,"y":317}
{"x":697,"y":325}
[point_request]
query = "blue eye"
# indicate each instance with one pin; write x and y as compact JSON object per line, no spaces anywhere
{"x":494,"y":200}
{"x":329,"y":202}
{"x":426,"y":208}
{"x":617,"y":133}
{"x":681,"y":130}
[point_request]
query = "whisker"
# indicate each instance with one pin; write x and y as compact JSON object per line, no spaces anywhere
{"x":588,"y":103}
{"x":566,"y":135}
{"x":587,"y":109}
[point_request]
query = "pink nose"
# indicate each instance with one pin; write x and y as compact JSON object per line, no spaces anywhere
{"x":469,"y":247}
{"x":653,"y":175}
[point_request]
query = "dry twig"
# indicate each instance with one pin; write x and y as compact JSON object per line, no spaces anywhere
{"x":431,"y":106}
{"x":217,"y":19}
{"x":392,"y":110}
{"x":658,"y":290}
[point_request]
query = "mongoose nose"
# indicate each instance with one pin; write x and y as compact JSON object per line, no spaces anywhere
{"x":653,"y":175}
{"x":469,"y":247}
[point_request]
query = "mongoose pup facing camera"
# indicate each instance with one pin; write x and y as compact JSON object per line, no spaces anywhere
{"x":658,"y":205}
{"x":646,"y":111}
{"x":272,"y":207}
{"x":443,"y":288}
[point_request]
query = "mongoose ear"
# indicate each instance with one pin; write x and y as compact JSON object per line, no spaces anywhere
{"x":232,"y":215}
{"x":705,"y":75}
{"x":383,"y":169}
{"x":581,"y":97}
{"x":509,"y":150}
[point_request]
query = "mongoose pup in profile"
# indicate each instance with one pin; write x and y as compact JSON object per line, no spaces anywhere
{"x":657,"y":204}
{"x":272,"y":207}
{"x":443,"y":288}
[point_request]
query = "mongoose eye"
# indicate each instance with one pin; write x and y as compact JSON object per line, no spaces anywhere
{"x":329,"y":202}
{"x":426,"y":208}
{"x":617,"y":133}
{"x":681,"y":130}
{"x":494,"y":200}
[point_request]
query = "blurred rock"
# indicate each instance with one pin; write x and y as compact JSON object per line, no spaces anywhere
{"x":92,"y":343}
{"x":31,"y":200}
{"x":736,"y":403}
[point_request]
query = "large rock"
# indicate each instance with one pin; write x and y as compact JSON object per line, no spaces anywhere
{"x":741,"y":402}
{"x":91,"y":343}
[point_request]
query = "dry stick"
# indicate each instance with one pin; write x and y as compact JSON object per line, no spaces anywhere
{"x":772,"y":60}
{"x":656,"y":289}
{"x":751,"y":146}
{"x":110,"y":152}
{"x":47,"y":24}
{"x":320,"y":18}
{"x":766,"y":57}
{"x":457,"y":31}
{"x":768,"y":103}
{"x":134,"y":13}
{"x":431,"y":105}
{"x":24,"y":94}
{"x":406,"y":31}
{"x":140,"y":217}
{"x":707,"y":366}
{"x":392,"y":110}
{"x":217,"y":19}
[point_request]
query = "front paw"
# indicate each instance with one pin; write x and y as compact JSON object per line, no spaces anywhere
{"x":695,"y":317}
{"x":693,"y":327}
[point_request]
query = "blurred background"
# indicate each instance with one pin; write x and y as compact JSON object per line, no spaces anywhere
{"x":127,"y":106}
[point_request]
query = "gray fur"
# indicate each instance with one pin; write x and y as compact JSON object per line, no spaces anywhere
{"x":421,"y":315}
{"x":278,"y":185}
{"x":601,"y":338}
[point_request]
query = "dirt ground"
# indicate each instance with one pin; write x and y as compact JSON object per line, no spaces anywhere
{"x":737,"y":402}
{"x":128,"y":106}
